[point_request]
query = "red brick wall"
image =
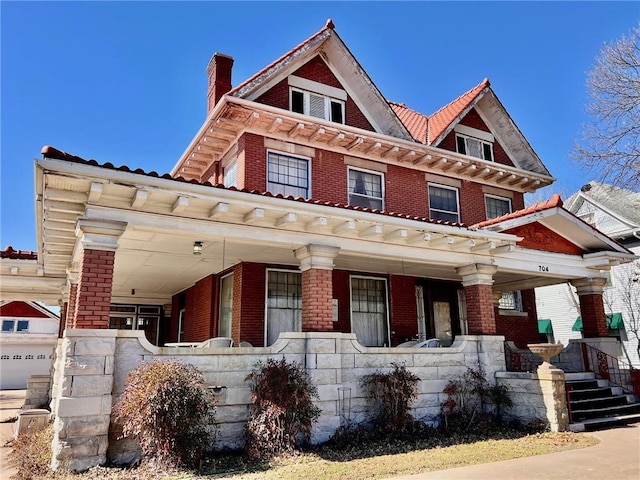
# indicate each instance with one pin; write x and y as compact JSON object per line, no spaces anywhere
{"x":255,"y":163}
{"x":317,"y":307}
{"x":248,"y":303}
{"x":480,"y":310}
{"x":520,"y":329}
{"x":316,"y":69}
{"x":593,"y":317}
{"x":94,"y":289}
{"x":402,"y":301}
{"x":198,"y":313}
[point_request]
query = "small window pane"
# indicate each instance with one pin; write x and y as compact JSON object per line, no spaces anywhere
{"x":497,"y":207}
{"x":7,"y":325}
{"x":510,"y":301}
{"x":488,"y":152}
{"x":23,"y":326}
{"x":336,"y":112}
{"x":297,"y":102}
{"x":316,"y":106}
{"x":461,"y":145}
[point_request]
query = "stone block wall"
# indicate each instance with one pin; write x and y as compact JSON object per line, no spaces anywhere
{"x":94,"y":365}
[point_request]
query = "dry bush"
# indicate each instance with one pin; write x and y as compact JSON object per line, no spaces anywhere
{"x":31,"y":454}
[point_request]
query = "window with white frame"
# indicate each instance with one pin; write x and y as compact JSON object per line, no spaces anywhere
{"x":474,"y":147}
{"x":226,"y":306}
{"x":369,"y":320}
{"x":366,"y":189}
{"x":443,"y":203}
{"x":288,"y":175}
{"x":231,"y":175}
{"x":497,"y":206}
{"x":511,"y":301}
{"x":316,"y":105}
{"x":284,"y":304}
{"x":15,"y":326}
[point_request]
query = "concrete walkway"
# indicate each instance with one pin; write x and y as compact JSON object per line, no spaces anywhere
{"x":10,"y":403}
{"x":616,"y":457}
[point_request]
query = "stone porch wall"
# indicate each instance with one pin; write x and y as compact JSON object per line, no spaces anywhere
{"x":94,"y":364}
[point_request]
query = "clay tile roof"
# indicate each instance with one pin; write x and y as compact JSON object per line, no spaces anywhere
{"x":10,"y":253}
{"x":553,"y":202}
{"x":415,"y":122}
{"x":54,"y":153}
{"x":442,"y":119}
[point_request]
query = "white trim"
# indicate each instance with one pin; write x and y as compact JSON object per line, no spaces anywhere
{"x":446,"y":187}
{"x":371,"y":172}
{"x":290,"y":155}
{"x":386,"y":302}
{"x":474,"y":132}
{"x":317,"y":87}
{"x":326,"y":100}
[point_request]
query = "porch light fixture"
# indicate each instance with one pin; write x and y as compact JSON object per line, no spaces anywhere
{"x":197,"y":248}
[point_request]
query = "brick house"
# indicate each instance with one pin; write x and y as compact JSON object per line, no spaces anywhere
{"x":309,"y":202}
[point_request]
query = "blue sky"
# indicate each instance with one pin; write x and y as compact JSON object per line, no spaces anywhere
{"x":125,"y":82}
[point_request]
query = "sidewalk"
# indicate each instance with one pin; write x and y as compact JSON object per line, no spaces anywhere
{"x":10,"y":403}
{"x":616,"y":457}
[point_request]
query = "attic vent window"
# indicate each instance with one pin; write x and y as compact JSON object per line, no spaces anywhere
{"x":319,"y":106}
{"x":474,"y":147}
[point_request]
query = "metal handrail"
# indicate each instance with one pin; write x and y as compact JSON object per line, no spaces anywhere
{"x":608,"y":367}
{"x":517,"y":362}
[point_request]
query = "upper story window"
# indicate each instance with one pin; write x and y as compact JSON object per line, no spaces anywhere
{"x":11,"y":326}
{"x":474,"y":147}
{"x":317,"y":99}
{"x":318,"y":106}
{"x":497,"y":206}
{"x":443,"y":203}
{"x":231,"y":174}
{"x":288,"y":175}
{"x":366,"y":189}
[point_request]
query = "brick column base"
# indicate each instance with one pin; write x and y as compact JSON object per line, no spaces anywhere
{"x":481,"y":318}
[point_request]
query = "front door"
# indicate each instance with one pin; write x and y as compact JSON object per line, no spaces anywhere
{"x":441,"y":317}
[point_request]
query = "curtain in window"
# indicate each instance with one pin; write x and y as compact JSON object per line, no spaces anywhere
{"x":284,"y":304}
{"x":369,"y":312}
{"x":226,"y":306}
{"x":365,"y":189}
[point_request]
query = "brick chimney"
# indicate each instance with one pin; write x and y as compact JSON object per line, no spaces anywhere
{"x":219,"y":73}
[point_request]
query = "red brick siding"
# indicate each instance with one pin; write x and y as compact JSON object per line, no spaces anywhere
{"x":317,"y":307}
{"x":94,"y":289}
{"x":254,"y":176}
{"x":406,"y":191}
{"x":480,"y":310}
{"x":248,"y":303}
{"x":593,"y":317}
{"x":198,"y":313}
{"x":316,"y":70}
{"x":520,"y":329}
{"x":402,"y":301}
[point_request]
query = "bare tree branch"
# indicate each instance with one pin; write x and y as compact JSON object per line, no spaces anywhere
{"x":610,"y":143}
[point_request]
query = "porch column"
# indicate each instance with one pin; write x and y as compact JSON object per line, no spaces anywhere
{"x":477,"y":280}
{"x":316,"y":265}
{"x":99,"y":242}
{"x":594,"y":322}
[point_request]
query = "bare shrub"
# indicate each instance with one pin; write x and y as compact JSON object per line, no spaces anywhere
{"x":166,"y":407}
{"x":31,"y":454}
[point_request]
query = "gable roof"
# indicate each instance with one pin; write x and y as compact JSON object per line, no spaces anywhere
{"x":432,"y":129}
{"x":554,"y":217}
{"x":620,"y":203}
{"x":327,"y":43}
{"x":25,"y":309}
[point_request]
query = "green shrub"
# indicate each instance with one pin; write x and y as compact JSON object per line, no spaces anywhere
{"x":168,"y":410}
{"x":31,"y":454}
{"x":392,"y":394}
{"x":471,"y":398}
{"x":281,"y":413}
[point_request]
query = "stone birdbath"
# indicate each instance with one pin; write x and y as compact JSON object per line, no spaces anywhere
{"x":546,"y":351}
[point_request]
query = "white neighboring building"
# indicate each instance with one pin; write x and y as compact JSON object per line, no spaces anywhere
{"x":615,"y":212}
{"x":27,"y":341}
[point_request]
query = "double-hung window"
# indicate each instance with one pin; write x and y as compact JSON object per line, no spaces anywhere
{"x":474,"y":147}
{"x":284,"y":304}
{"x":443,"y":203}
{"x":316,"y":105}
{"x":369,"y":320}
{"x":288,"y":175}
{"x":231,"y":174}
{"x":497,"y":206}
{"x":366,"y":189}
{"x":11,"y":326}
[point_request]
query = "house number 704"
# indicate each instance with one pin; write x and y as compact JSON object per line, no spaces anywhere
{"x":543,"y":268}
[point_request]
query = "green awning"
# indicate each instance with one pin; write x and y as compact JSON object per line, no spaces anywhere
{"x":614,"y":321}
{"x":577,"y":326}
{"x":544,"y":326}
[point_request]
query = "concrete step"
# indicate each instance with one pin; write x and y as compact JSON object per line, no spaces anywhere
{"x":575,"y":376}
{"x":590,"y":393}
{"x":592,"y":425}
{"x":605,"y":413}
